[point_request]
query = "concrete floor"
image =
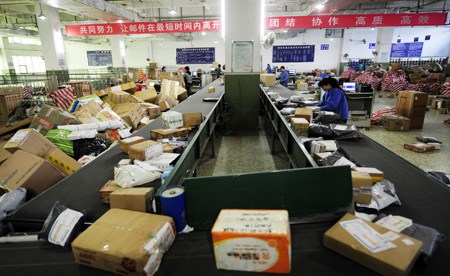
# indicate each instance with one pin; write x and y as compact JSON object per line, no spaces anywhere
{"x":434,"y":126}
{"x":249,"y":151}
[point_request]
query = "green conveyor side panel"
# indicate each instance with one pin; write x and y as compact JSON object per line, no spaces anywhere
{"x":242,"y":96}
{"x":309,"y":194}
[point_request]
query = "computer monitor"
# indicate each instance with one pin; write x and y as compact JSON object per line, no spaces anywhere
{"x":349,"y":86}
{"x":292,"y":71}
{"x":194,"y":74}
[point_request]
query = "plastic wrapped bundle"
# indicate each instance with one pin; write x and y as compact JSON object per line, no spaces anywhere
{"x":93,"y":147}
{"x":345,"y":132}
{"x":375,"y":118}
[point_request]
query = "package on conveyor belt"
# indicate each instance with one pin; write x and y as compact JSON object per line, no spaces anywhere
{"x":49,"y":117}
{"x":59,"y":137}
{"x":192,"y":119}
{"x":252,"y":240}
{"x":62,"y":225}
{"x":9,"y":202}
{"x":300,"y":126}
{"x":93,"y":147}
{"x":31,"y":141}
{"x":430,"y":237}
{"x":316,"y":130}
{"x":133,"y":199}
{"x":332,"y":159}
{"x":163,"y":133}
{"x":172,"y":119}
{"x":125,"y":242}
{"x":323,"y":146}
{"x":345,"y":132}
{"x":383,"y":195}
{"x":148,"y":96}
{"x":327,"y":117}
{"x":154,"y":111}
{"x":373,"y":246}
{"x":287,"y":111}
{"x":362,"y":187}
{"x":118,"y":97}
{"x":145,"y":150}
{"x":268,"y":80}
{"x":107,"y":189}
{"x":135,"y":175}
{"x":302,"y":112}
{"x":131,"y":113}
{"x":126,"y":143}
{"x":273,"y":95}
{"x":374,"y":173}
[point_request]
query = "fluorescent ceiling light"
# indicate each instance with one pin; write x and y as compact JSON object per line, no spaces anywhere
{"x":320,"y":6}
{"x":41,"y":15}
{"x":203,"y":33}
{"x":285,"y":31}
{"x":172,"y":12}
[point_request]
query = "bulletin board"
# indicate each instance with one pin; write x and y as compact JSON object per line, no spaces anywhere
{"x":99,"y":58}
{"x":404,"y":50}
{"x":293,"y":53}
{"x":196,"y":55}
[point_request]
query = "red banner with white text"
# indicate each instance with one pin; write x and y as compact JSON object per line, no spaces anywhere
{"x":277,"y":22}
{"x":142,"y":28}
{"x":356,"y":20}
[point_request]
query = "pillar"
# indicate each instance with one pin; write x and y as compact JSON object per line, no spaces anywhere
{"x":118,"y":47}
{"x":384,"y":42}
{"x":52,"y":42}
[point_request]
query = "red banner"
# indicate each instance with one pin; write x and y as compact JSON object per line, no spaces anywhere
{"x":279,"y":22}
{"x":142,"y":28}
{"x":356,"y":20}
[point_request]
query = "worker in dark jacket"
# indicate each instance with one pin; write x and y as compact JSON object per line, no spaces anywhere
{"x":284,"y":76}
{"x":334,"y":98}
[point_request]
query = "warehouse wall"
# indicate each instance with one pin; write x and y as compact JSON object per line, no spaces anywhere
{"x":353,"y":44}
{"x":76,"y":54}
{"x":323,"y":59}
{"x":437,"y":46}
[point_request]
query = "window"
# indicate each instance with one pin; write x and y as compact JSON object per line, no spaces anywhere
{"x":24,"y":40}
{"x":28,"y":64}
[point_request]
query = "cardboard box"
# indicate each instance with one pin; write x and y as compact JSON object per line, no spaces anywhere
{"x":300,"y":126}
{"x":133,"y":99}
{"x":164,"y":75}
{"x":362,"y":187}
{"x":145,"y":150}
{"x":172,"y":119}
{"x":162,"y":133}
{"x":439,"y":77}
{"x":412,"y":104}
{"x":153,"y":65}
{"x":4,"y":154}
{"x":321,"y":155}
{"x":169,"y":89}
{"x":29,"y":171}
{"x":49,"y":117}
{"x":164,"y":105}
{"x":148,"y":96}
{"x":31,"y":141}
{"x":63,"y":162}
{"x":393,"y":261}
{"x":395,"y":122}
{"x":306,"y":113}
{"x":302,"y":86}
{"x":118,"y":97}
{"x":134,"y":199}
{"x":154,"y":111}
{"x":129,"y":87}
{"x":10,"y":90}
{"x":241,"y":242}
{"x":126,"y":143}
{"x":268,"y":79}
{"x":419,"y":147}
{"x":91,"y":108}
{"x":131,"y":239}
{"x":374,"y":173}
{"x":182,"y":94}
{"x":131,"y":113}
{"x":107,"y":189}
{"x":192,"y":119}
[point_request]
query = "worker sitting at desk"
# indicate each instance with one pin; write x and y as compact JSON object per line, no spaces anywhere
{"x":269,"y":69}
{"x":284,"y":76}
{"x":334,"y":98}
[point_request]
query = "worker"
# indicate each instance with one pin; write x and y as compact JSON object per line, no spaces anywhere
{"x":188,"y":79}
{"x":163,"y":69}
{"x":269,"y":69}
{"x":334,"y":98}
{"x":284,"y":76}
{"x":218,"y":71}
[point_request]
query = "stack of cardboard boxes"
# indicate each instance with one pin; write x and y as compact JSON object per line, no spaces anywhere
{"x":152,"y":70}
{"x":10,"y":98}
{"x":301,"y":120}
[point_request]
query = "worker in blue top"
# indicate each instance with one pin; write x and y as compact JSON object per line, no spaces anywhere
{"x":284,"y":76}
{"x":334,"y":98}
{"x":269,"y":69}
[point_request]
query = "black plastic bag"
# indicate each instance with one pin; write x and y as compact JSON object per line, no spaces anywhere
{"x":345,"y":132}
{"x":295,"y":99}
{"x":428,"y":140}
{"x":324,"y":131}
{"x":441,"y":176}
{"x":93,"y":146}
{"x":290,"y":105}
{"x":327,"y":118}
{"x":62,"y":225}
{"x":279,"y":102}
{"x":333,"y":158}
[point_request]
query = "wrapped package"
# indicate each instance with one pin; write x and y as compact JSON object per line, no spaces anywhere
{"x":172,"y":119}
{"x":145,"y":150}
{"x":60,"y":137}
{"x":49,"y":117}
{"x":133,"y":175}
{"x":94,"y":146}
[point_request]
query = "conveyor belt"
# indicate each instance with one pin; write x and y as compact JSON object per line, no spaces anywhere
{"x":79,"y":191}
{"x":424,"y":199}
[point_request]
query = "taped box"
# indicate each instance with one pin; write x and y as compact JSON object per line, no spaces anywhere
{"x":362,"y":187}
{"x":374,"y":173}
{"x":162,"y":133}
{"x":145,"y":150}
{"x":373,"y":246}
{"x":154,"y":111}
{"x":118,"y":97}
{"x":300,"y":126}
{"x":395,"y":122}
{"x":107,"y":189}
{"x":148,"y":96}
{"x":126,"y":143}
{"x":134,"y":199}
{"x":28,"y":171}
{"x":63,"y":162}
{"x":252,"y":240}
{"x":304,"y":113}
{"x":419,"y":147}
{"x":268,"y":80}
{"x":172,"y":119}
{"x":192,"y":119}
{"x":125,"y":242}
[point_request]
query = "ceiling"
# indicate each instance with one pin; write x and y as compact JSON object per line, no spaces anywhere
{"x":18,"y":17}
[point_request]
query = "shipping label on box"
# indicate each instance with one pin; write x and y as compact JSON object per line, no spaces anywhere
{"x":135,"y":242}
{"x":145,"y":150}
{"x":366,"y":243}
{"x":134,"y":199}
{"x":252,"y":240}
{"x":126,"y":143}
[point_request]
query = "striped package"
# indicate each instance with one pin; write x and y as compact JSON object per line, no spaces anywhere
{"x":63,"y":98}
